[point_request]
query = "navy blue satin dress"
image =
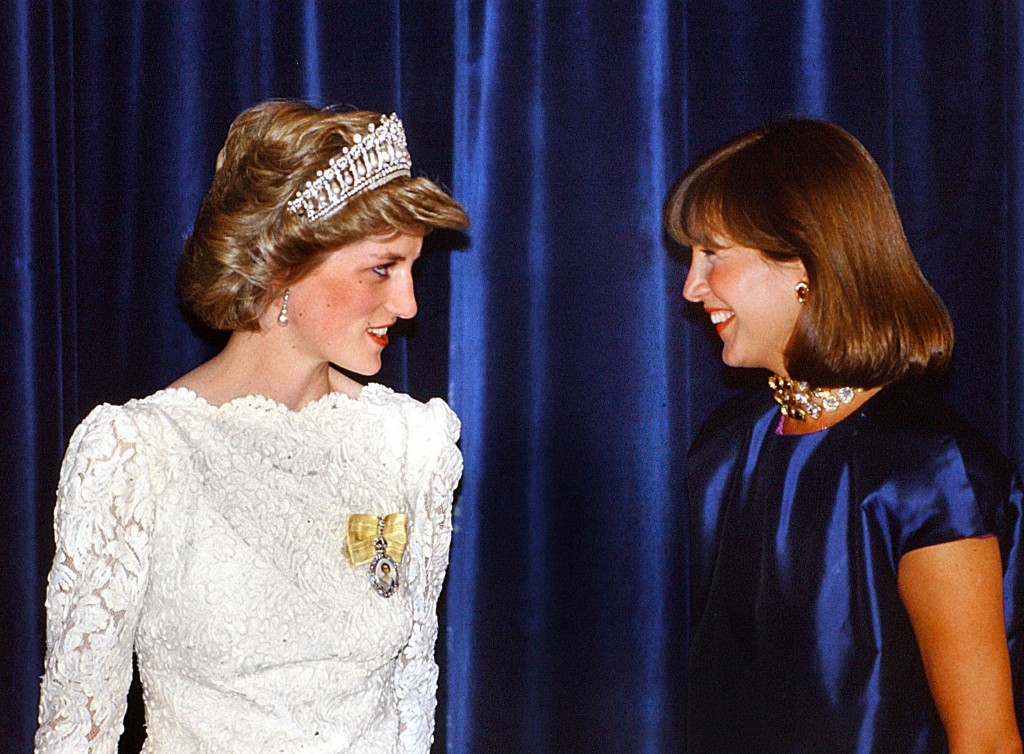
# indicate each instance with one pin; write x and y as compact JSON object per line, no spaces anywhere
{"x":799,"y":641}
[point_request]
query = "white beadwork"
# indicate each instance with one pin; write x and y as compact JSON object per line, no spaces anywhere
{"x":211,"y":540}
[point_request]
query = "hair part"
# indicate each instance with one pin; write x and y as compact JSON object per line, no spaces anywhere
{"x":245,"y":246}
{"x":808,"y":190}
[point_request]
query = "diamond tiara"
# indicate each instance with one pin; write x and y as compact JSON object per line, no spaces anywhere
{"x":376,"y":158}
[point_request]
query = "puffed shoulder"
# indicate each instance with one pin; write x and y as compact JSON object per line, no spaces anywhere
{"x":104,"y":455}
{"x":432,"y":431}
{"x":441,"y":416}
{"x":132,"y":420}
{"x":103,"y":434}
{"x":433,"y":418}
{"x":102,"y":421}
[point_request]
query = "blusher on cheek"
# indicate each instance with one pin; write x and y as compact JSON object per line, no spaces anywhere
{"x":718,"y":281}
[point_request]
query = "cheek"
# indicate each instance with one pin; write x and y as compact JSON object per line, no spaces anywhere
{"x":362,"y":298}
{"x":725,"y":280}
{"x":344,"y":300}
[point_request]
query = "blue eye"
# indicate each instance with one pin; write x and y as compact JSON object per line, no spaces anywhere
{"x":382,"y":270}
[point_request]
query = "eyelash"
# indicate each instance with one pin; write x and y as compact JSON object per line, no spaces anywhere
{"x":383,"y":270}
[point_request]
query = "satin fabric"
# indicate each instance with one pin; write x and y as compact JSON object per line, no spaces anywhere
{"x":800,"y":642}
{"x":360,"y":544}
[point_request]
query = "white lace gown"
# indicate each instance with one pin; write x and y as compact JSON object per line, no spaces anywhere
{"x":210,"y":540}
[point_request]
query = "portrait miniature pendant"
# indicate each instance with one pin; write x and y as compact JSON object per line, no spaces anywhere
{"x":379,"y":541}
{"x":383,"y":570}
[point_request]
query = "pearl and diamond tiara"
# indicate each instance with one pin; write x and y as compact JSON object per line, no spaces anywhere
{"x":379,"y":156}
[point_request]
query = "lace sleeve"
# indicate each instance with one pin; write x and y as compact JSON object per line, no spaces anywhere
{"x":416,"y":683}
{"x":95,"y":588}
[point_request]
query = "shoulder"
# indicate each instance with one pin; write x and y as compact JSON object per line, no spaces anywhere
{"x":132,"y":421}
{"x":431,"y":436}
{"x":739,"y":411}
{"x":123,"y":434}
{"x":731,"y":423}
{"x":107,"y":473}
{"x":930,"y":475}
{"x":914,"y":422}
{"x":106,"y":427}
{"x":434,"y":419}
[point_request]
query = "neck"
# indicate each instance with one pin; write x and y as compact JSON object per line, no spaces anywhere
{"x":792,"y":426}
{"x":809,"y":409}
{"x":257,"y":363}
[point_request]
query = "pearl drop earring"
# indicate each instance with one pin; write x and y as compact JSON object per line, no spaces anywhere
{"x":282,"y":318}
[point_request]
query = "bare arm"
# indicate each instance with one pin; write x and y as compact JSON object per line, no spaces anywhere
{"x":953,"y":593}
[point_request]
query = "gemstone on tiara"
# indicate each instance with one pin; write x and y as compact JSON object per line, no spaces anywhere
{"x":379,"y":156}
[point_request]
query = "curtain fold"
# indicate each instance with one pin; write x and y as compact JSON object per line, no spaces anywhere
{"x":1010,"y":311}
{"x":556,"y":327}
{"x":33,"y":334}
{"x":559,"y":368}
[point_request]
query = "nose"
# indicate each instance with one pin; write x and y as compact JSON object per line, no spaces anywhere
{"x":696,"y":284}
{"x":402,"y":302}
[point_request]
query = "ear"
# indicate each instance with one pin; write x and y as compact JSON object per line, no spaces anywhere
{"x":283,"y":279}
{"x":797,"y":270}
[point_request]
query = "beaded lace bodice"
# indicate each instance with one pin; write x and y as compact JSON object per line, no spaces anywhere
{"x":210,"y":540}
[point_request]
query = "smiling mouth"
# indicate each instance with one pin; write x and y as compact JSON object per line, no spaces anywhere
{"x":379,"y":335}
{"x":720,"y":318}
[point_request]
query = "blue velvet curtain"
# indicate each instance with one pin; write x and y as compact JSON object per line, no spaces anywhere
{"x":557,"y":332}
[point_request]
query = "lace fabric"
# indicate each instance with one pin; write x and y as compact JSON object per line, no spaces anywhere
{"x":209,"y":539}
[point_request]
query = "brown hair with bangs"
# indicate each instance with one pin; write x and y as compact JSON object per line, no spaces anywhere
{"x":245,"y":246}
{"x":808,"y":190}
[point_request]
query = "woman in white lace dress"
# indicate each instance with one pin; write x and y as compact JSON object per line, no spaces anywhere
{"x":267,"y":534}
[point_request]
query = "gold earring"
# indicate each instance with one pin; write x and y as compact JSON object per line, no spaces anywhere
{"x":802,"y":291}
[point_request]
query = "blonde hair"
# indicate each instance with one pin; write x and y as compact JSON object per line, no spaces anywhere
{"x":808,"y":190}
{"x":246,"y":246}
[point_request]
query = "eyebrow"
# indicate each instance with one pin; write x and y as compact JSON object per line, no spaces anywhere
{"x":392,"y":257}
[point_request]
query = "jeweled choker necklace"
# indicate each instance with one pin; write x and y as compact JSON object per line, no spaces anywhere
{"x":800,"y":401}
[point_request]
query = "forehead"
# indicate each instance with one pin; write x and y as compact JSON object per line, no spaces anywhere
{"x":704,"y":226}
{"x":396,"y":246}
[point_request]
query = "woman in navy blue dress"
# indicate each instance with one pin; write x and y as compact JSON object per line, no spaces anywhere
{"x":856,"y":581}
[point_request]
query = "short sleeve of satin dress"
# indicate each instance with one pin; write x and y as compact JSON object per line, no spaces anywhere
{"x":799,"y":641}
{"x":211,"y":540}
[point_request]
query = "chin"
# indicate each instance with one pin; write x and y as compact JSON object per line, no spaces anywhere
{"x":745,"y":362}
{"x":732,"y":361}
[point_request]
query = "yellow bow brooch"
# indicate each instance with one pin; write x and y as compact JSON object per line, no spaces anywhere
{"x":379,"y":541}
